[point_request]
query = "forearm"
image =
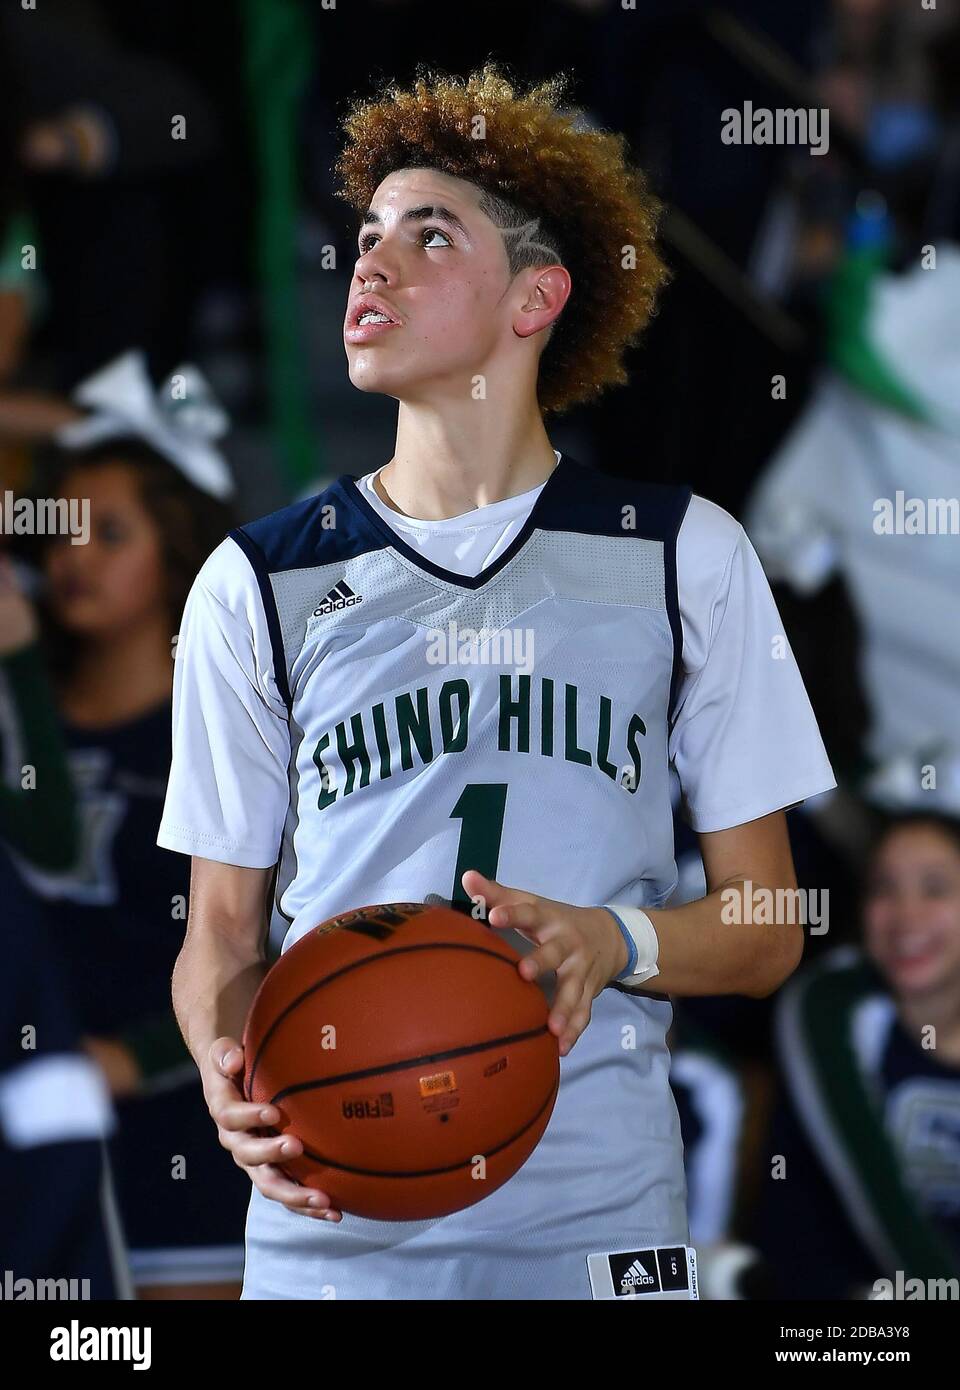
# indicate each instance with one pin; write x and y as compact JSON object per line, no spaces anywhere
{"x":716,"y":945}
{"x":214,"y":981}
{"x":34,"y":415}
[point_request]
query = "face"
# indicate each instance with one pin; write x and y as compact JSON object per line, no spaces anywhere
{"x":912,"y":911}
{"x":441,"y":277}
{"x":116,"y":580}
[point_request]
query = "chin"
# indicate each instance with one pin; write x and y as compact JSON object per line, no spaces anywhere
{"x":77,"y":616}
{"x":368,"y":384}
{"x":379,"y":383}
{"x":88,"y":627}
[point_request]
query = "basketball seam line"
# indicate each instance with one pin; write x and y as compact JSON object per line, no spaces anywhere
{"x":427,"y":1059}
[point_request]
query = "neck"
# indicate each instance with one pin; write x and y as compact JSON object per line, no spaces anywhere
{"x":120,"y":676}
{"x":450,"y":459}
{"x":942,"y":1010}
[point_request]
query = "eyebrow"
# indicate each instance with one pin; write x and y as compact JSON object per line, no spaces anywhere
{"x":426,"y":213}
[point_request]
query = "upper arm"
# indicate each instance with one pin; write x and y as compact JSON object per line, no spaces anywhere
{"x":745,"y":741}
{"x":228,"y":791}
{"x":758,"y":850}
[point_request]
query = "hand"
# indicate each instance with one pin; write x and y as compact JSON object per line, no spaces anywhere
{"x":583,"y":945}
{"x":18,"y":623}
{"x":77,"y":139}
{"x":118,"y":1064}
{"x":235,"y":1118}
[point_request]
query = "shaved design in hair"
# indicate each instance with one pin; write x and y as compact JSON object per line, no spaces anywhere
{"x":520,"y":234}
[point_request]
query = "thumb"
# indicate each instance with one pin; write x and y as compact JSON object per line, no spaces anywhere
{"x":485,"y":891}
{"x":227,"y":1055}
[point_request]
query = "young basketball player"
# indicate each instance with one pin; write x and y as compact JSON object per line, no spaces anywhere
{"x":330,"y":724}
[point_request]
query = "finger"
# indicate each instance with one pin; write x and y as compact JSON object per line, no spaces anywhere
{"x":549,"y":955}
{"x":251,"y":1150}
{"x":577,"y":1023}
{"x":234,"y":1114}
{"x":488,"y":890}
{"x":571,"y":983}
{"x":526,"y":914}
{"x":303,"y":1201}
{"x":572,"y":1022}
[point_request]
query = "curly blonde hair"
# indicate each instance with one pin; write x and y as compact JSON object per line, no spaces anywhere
{"x":593,"y":211}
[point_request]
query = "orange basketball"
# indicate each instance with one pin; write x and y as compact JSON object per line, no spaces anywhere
{"x":404,"y":1050}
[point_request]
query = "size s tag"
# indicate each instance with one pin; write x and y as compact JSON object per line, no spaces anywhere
{"x":660,"y":1271}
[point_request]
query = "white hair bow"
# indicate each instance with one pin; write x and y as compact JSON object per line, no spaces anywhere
{"x":178,"y":420}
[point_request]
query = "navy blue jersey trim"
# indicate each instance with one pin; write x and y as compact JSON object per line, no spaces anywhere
{"x":574,"y":498}
{"x":672,"y":585}
{"x":592,"y":503}
{"x":350,"y":492}
{"x":259,"y":565}
{"x":299,"y":536}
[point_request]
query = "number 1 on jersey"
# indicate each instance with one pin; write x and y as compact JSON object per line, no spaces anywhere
{"x":480,"y":810}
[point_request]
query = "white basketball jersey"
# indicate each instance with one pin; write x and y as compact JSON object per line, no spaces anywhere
{"x":381,"y":725}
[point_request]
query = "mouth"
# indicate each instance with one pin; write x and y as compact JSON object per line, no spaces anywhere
{"x":69,"y":589}
{"x":369,"y":316}
{"x":913,"y":953}
{"x":913,"y":948}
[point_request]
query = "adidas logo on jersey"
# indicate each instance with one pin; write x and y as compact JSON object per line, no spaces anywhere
{"x":636,"y":1277}
{"x":664,"y":1271}
{"x":340,"y":596}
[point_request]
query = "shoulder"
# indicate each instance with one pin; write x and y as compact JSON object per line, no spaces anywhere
{"x":226,"y":575}
{"x":706,"y":535}
{"x":591,"y":502}
{"x":320,"y":530}
{"x":708,"y":538}
{"x":714,"y":560}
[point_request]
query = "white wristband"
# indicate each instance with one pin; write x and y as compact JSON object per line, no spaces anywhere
{"x":638,"y":929}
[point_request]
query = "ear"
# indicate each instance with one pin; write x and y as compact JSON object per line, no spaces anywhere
{"x":544,"y":295}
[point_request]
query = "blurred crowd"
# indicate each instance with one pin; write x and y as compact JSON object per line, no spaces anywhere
{"x":166,"y":198}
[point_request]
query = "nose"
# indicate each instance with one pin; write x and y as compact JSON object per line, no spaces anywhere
{"x":376,"y":267}
{"x":910,"y":913}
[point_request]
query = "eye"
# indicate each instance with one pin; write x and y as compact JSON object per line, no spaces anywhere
{"x":434,"y":231}
{"x":112,"y":531}
{"x":370,"y":239}
{"x":935,"y":886}
{"x":879,"y":886}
